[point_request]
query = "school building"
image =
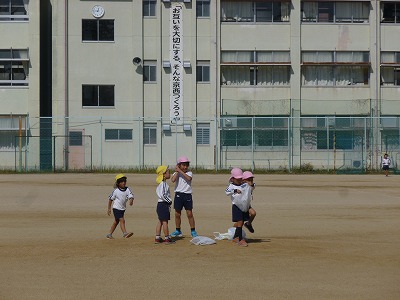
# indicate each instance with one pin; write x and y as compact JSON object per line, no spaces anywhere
{"x":251,"y":83}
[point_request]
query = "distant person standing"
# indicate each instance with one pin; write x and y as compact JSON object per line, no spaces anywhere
{"x":386,"y":164}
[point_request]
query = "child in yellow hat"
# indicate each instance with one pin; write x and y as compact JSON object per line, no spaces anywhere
{"x":163,"y":205}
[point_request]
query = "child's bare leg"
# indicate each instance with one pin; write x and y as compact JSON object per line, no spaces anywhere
{"x":113,"y":226}
{"x":252,"y":214}
{"x":165,"y":228}
{"x":178,"y":218}
{"x":158,"y":228}
{"x":122,"y":225}
{"x":189,"y":214}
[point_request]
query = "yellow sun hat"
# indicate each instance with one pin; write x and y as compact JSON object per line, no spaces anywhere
{"x":119,"y":176}
{"x":160,"y":173}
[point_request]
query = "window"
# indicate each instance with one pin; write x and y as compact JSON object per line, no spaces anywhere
{"x":331,"y":132}
{"x":149,"y":8}
{"x":203,"y":8}
{"x":98,"y":95}
{"x":335,"y":11}
{"x":262,"y":68}
{"x":118,"y":134}
{"x":149,"y":71}
{"x":255,"y":11}
{"x":150,"y":134}
{"x":98,"y":30}
{"x":9,"y":131}
{"x":390,"y":12}
{"x":203,"y":71}
{"x":14,"y":67}
{"x":331,"y":68}
{"x":390,"y":68}
{"x":203,"y":134}
{"x":13,"y":10}
{"x":268,"y":131}
{"x":75,"y":138}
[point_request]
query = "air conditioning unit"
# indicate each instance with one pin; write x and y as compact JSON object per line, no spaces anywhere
{"x":229,"y":122}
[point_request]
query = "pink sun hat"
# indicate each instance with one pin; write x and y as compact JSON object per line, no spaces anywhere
{"x":183,"y":159}
{"x":236,"y":173}
{"x":247,"y":175}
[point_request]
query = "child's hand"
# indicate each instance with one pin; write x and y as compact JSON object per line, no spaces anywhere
{"x":109,"y":212}
{"x":131,"y":202}
{"x":177,"y":169}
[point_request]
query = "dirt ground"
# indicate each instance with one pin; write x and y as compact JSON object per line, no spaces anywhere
{"x":316,"y":237}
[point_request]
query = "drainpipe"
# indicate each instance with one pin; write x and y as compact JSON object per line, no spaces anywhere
{"x":66,"y":83}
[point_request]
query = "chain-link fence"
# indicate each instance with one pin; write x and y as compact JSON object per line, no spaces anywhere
{"x":353,"y":143}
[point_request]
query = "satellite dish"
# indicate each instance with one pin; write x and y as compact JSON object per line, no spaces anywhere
{"x":136,"y":61}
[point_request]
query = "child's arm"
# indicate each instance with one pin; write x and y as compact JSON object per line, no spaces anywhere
{"x":175,"y":176}
{"x":130,"y":197}
{"x":179,"y":171}
{"x":230,"y":190}
{"x":109,"y":207}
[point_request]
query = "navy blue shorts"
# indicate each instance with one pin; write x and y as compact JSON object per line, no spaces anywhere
{"x":238,"y":215}
{"x":183,"y":200}
{"x":118,"y":214}
{"x":163,"y":211}
{"x":385,"y":167}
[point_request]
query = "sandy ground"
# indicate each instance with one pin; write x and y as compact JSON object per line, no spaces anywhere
{"x":317,"y":237}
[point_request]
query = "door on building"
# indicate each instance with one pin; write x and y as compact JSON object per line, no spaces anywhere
{"x":76,"y":153}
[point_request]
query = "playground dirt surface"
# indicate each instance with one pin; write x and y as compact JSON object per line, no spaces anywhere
{"x":316,"y":237}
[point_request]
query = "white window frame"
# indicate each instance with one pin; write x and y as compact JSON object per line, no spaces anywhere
{"x":118,"y":131}
{"x":15,"y":17}
{"x":150,"y":139}
{"x":152,"y":6}
{"x":203,"y":134}
{"x":201,"y":5}
{"x":16,"y":59}
{"x":150,"y":66}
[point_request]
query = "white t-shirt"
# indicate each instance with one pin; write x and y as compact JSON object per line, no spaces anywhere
{"x":243,"y":199}
{"x":386,"y":161}
{"x":163,"y":193}
{"x":120,"y":197}
{"x":183,"y":186}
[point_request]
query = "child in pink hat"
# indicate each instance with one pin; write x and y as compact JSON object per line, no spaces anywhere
{"x":248,"y":178}
{"x":239,"y":193}
{"x":183,"y":195}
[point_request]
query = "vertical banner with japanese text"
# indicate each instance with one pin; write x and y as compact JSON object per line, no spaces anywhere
{"x":176,"y":58}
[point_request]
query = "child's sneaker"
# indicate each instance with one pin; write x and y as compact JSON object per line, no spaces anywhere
{"x":158,"y":241}
{"x":194,"y":233}
{"x":128,"y":234}
{"x":249,"y":227}
{"x":243,"y":243}
{"x":177,"y":233}
{"x":168,"y":241}
{"x":109,"y":236}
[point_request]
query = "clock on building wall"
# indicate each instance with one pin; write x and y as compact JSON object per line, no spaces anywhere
{"x":98,"y":11}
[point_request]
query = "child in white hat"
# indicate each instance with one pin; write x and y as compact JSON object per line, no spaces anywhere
{"x":183,"y":195}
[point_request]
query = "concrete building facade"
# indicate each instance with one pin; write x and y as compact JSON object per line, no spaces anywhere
{"x":259,"y":84}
